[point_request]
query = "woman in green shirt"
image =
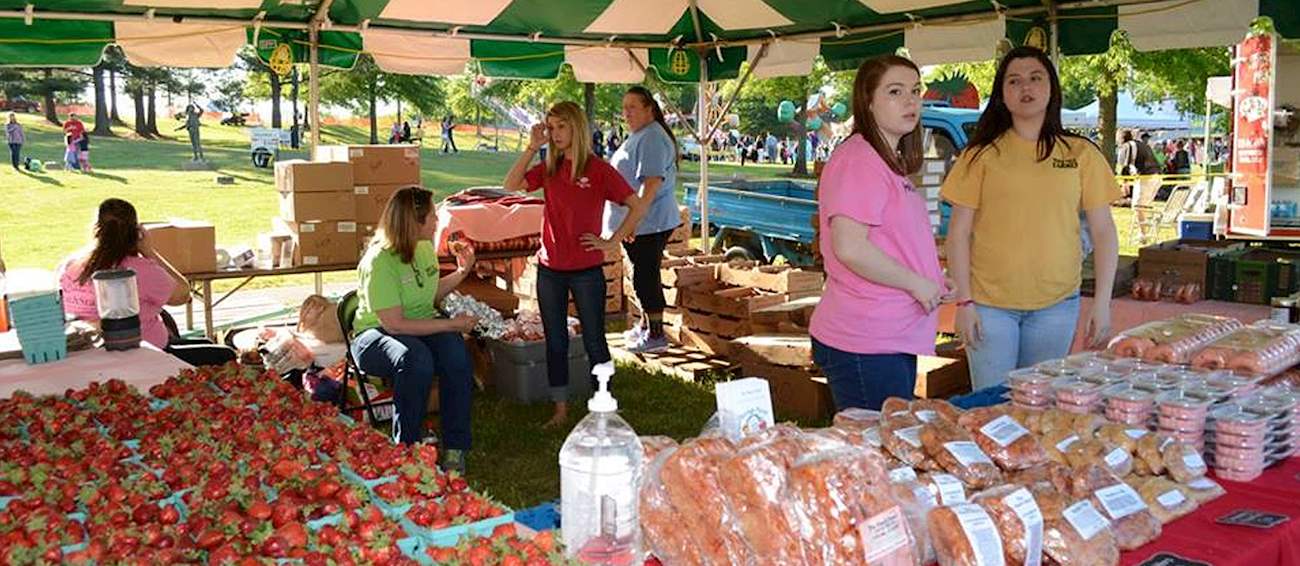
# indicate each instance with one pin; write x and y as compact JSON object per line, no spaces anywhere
{"x":399,"y":334}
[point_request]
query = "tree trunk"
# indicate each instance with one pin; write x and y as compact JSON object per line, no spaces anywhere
{"x":112,"y":98}
{"x":589,"y":102}
{"x":103,"y":125}
{"x":50,"y":111}
{"x":374,"y":119}
{"x":1107,"y":113}
{"x":293,"y":92}
{"x":151,"y":123}
{"x":141,"y":121}
{"x":801,"y":130}
{"x":274,"y":78}
{"x":399,"y":110}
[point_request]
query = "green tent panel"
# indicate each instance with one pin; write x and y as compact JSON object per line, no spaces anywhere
{"x":337,"y":48}
{"x":50,"y":43}
{"x":518,"y":59}
{"x":1019,"y":30}
{"x":848,"y":52}
{"x":1087,"y":31}
{"x":1285,"y":14}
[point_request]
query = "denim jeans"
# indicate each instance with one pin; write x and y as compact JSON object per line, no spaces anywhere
{"x":588,"y":290}
{"x":409,"y":363}
{"x":865,"y":380}
{"x":1019,"y":338}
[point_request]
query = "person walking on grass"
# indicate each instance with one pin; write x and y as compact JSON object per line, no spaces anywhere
{"x":448,"y":134}
{"x":16,"y":137}
{"x":192,"y":125}
{"x":1017,"y":192}
{"x":576,"y":186}
{"x":648,"y":161}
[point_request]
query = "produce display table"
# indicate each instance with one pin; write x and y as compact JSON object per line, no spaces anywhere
{"x":142,"y":367}
{"x":1198,"y":537}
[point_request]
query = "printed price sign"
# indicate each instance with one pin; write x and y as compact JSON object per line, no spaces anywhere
{"x":1253,"y":518}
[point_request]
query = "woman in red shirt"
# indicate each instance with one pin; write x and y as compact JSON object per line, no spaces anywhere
{"x":576,"y":185}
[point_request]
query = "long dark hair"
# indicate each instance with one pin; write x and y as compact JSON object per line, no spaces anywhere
{"x":649,"y":100}
{"x":906,"y":158}
{"x":996,"y":119}
{"x":117,"y":237}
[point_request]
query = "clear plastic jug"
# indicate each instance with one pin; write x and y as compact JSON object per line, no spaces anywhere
{"x":118,"y":301}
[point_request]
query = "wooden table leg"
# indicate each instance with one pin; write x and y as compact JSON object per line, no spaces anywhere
{"x":320,"y":283}
{"x":208,"y":327}
{"x":189,"y":311}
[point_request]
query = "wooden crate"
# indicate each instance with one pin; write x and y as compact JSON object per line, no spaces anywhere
{"x":702,"y":341}
{"x":789,"y":317}
{"x":772,"y":278}
{"x":687,"y":364}
{"x":722,"y":326}
{"x":788,"y":350}
{"x":800,"y":392}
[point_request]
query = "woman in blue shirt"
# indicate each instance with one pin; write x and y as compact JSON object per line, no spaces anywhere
{"x":648,"y":161}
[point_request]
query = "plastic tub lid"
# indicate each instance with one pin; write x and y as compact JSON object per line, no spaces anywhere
{"x":1127,"y":392}
{"x":1106,"y":378}
{"x":1184,"y":399}
{"x":1238,"y":418}
{"x":1029,"y":377}
{"x":1086,"y":360}
{"x":1272,"y":406}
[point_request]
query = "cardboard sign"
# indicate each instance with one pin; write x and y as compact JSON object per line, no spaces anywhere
{"x":744,"y":407}
{"x":1253,"y":518}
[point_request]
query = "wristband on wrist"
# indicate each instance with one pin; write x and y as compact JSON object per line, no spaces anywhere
{"x":965,"y":303}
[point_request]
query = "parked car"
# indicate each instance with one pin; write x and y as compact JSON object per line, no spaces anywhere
{"x":19,"y":105}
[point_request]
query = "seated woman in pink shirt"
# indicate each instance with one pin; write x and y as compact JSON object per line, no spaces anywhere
{"x":883,"y":276}
{"x":120,"y":243}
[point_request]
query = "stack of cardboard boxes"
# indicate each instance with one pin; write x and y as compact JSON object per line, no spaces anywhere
{"x":928,"y":181}
{"x":377,"y":172}
{"x":191,"y":247}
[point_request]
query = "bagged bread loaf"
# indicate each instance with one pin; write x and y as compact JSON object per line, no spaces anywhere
{"x":845,"y":513}
{"x":665,"y":534}
{"x":901,"y":437}
{"x":1166,"y":499}
{"x":1204,"y":490}
{"x":953,"y":449}
{"x":1074,"y":532}
{"x":929,"y":409}
{"x":916,"y":501}
{"x":856,"y":419}
{"x":1019,"y":522}
{"x":894,"y":406}
{"x":1057,"y":443}
{"x":1183,"y":461}
{"x":653,"y":445}
{"x":1007,"y":441}
{"x":965,"y":535}
{"x":753,"y":484}
{"x":1131,"y":520}
{"x":1031,"y":418}
{"x":692,"y":481}
{"x":1122,"y":435}
{"x":946,"y":489}
{"x":1150,"y":452}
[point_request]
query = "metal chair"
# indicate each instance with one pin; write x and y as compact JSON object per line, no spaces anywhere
{"x":347,"y":311}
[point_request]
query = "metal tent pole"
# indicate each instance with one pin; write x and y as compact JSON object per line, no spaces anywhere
{"x":702,"y":125}
{"x":313,"y":104}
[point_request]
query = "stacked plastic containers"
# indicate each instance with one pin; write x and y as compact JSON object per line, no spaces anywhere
{"x":38,"y":318}
{"x":1129,"y":404}
{"x":1237,"y":442}
{"x":1181,"y":415}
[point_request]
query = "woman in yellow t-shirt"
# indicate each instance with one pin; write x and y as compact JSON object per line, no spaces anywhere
{"x":1014,"y":247}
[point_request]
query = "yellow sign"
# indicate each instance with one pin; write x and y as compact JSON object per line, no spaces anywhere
{"x":1036,"y":38}
{"x":281,"y":59}
{"x":680,"y":63}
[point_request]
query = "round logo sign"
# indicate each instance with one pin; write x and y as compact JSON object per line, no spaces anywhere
{"x":281,"y":60}
{"x":679,"y":63}
{"x":1037,"y":38}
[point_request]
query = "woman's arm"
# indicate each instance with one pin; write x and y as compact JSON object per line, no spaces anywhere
{"x":637,"y":207}
{"x":851,"y":246}
{"x":464,"y":264}
{"x":650,"y":188}
{"x":393,"y":321}
{"x":515,"y":178}
{"x":1101,"y":226}
{"x":181,"y":290}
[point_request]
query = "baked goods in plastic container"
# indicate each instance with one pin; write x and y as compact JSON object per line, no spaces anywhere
{"x":692,"y":480}
{"x":844,"y":510}
{"x":1005,"y":439}
{"x":1031,"y":387}
{"x":1204,"y":490}
{"x":1128,"y":404}
{"x":1172,"y":341}
{"x":1018,"y":518}
{"x":901,"y":437}
{"x":1183,"y":462}
{"x":1073,"y":392}
{"x":958,"y":454}
{"x":1263,"y":348}
{"x":1167,"y":500}
{"x":1074,"y":532}
{"x":965,"y":535}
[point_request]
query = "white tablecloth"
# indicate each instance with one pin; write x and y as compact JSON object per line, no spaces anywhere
{"x":142,"y":367}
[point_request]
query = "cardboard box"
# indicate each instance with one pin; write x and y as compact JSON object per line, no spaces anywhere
{"x":1178,"y":262}
{"x":317,"y":206}
{"x":190,"y":246}
{"x":371,"y":200}
{"x":940,"y":377}
{"x":376,"y":164}
{"x":324,"y":176}
{"x":322,"y":243}
{"x":795,"y":391}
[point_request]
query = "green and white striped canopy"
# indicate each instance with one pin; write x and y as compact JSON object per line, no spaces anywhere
{"x":606,"y":40}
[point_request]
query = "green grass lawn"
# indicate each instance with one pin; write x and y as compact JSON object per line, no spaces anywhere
{"x":48,"y":216}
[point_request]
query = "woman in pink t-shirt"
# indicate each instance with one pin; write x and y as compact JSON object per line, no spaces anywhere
{"x":883,"y":276}
{"x":120,"y":243}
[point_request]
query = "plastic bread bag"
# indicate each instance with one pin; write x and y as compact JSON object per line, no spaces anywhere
{"x":965,"y":535}
{"x":753,"y":484}
{"x":1057,"y":444}
{"x":916,"y":501}
{"x":954,"y":449}
{"x":1172,"y":341}
{"x":665,"y":534}
{"x":946,"y":489}
{"x":1204,"y":490}
{"x":692,"y":480}
{"x":653,"y":445}
{"x":1122,"y":435}
{"x":1019,"y":520}
{"x":929,"y":409}
{"x":1264,"y":348}
{"x":1131,"y":520}
{"x":1150,"y":450}
{"x":845,"y":511}
{"x":856,"y":419}
{"x":1074,"y":532}
{"x":1183,"y":462}
{"x":1045,"y":472}
{"x":901,"y":437}
{"x":1005,"y":439}
{"x":895,"y":406}
{"x":1166,"y":499}
{"x":1031,"y":418}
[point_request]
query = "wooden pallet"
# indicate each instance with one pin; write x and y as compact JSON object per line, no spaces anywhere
{"x":683,"y":363}
{"x":772,"y":278}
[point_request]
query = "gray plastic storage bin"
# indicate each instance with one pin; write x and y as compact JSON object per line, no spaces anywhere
{"x":519,"y":371}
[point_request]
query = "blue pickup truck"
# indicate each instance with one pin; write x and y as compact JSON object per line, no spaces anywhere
{"x":766,"y":219}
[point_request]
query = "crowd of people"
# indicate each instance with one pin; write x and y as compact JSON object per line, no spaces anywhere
{"x":1138,"y":154}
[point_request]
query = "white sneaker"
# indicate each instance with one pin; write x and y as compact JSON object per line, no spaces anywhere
{"x":648,"y":344}
{"x":633,"y":335}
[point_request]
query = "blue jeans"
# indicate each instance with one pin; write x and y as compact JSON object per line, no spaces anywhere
{"x":588,"y":290}
{"x":1019,"y":338}
{"x":865,"y":380}
{"x":409,"y":364}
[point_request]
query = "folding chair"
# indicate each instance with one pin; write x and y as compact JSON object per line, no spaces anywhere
{"x":1146,"y":213}
{"x":347,"y":311}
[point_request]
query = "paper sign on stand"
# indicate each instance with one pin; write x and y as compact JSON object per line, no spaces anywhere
{"x":744,"y":407}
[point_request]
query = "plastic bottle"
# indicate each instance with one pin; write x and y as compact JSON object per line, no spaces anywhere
{"x":600,"y":471}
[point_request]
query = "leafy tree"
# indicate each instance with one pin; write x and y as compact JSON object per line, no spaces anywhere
{"x":262,"y":82}
{"x":361,"y":88}
{"x":759,"y":98}
{"x":50,"y":85}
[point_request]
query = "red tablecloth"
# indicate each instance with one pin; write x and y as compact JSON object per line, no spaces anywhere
{"x":1198,"y":537}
